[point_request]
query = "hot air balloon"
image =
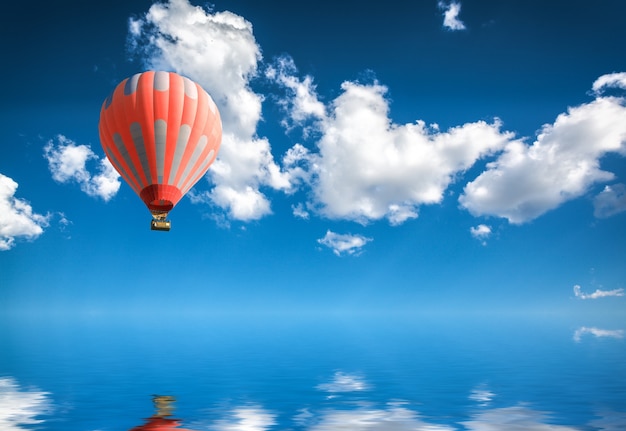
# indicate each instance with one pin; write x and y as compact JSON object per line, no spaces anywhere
{"x":161,"y":131}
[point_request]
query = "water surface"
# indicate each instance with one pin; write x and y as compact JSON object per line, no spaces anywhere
{"x":100,"y":373}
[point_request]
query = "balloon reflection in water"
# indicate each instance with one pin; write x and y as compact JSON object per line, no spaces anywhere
{"x":161,"y":420}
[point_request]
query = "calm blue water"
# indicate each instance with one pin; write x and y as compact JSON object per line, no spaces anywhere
{"x":485,"y":374}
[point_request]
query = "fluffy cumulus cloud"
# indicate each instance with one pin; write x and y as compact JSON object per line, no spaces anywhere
{"x":369,"y":168}
{"x":301,"y":102}
{"x":525,"y":181}
{"x":481,"y":232}
{"x":610,"y":201}
{"x":218,"y":50}
{"x":342,"y":244}
{"x":598,"y":333}
{"x":68,"y":163}
{"x":597,"y":294}
{"x":300,"y":212}
{"x":357,"y":164}
{"x":17,"y":219}
{"x":366,"y":167}
{"x":451,"y":13}
{"x":611,"y":80}
{"x":19,"y":407}
{"x":243,"y":167}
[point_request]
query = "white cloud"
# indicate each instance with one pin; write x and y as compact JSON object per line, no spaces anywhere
{"x":300,"y":211}
{"x":451,"y":12}
{"x":343,"y":382}
{"x":517,"y":418}
{"x":241,"y":169}
{"x":68,"y":163}
{"x":368,"y":168}
{"x":344,"y":243}
{"x":597,"y":294}
{"x":610,"y":201}
{"x":301,"y":102}
{"x":528,"y":180}
{"x":17,"y":218}
{"x":481,"y":232}
{"x":20,"y":407}
{"x":297,"y":165}
{"x":611,"y":80}
{"x":246,"y":419}
{"x":244,"y":204}
{"x":217,"y":50}
{"x":364,"y":166}
{"x":598,"y":333}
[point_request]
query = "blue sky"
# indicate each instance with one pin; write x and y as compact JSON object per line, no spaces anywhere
{"x":418,"y":157}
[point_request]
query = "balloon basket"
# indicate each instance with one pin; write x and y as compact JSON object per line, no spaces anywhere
{"x":165,"y":225}
{"x":159,"y":221}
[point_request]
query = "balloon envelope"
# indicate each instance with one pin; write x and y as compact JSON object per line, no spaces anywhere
{"x":161,"y":132}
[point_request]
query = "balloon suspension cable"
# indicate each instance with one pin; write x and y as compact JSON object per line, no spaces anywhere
{"x":159,"y":215}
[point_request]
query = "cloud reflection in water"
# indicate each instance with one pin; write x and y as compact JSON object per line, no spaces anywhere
{"x":610,"y":421}
{"x":20,"y":407}
{"x":481,"y":395}
{"x":597,"y":332}
{"x":250,"y":418}
{"x":394,"y":417}
{"x":516,"y":418}
{"x":343,"y":382}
